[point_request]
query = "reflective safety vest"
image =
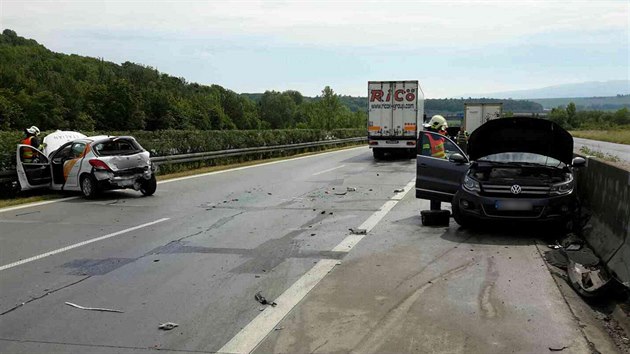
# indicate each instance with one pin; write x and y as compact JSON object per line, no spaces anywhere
{"x":437,"y":147}
{"x":27,"y":153}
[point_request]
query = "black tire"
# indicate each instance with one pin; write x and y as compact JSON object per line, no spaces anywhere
{"x":435,"y":217}
{"x":149,"y":186}
{"x":462,"y":220}
{"x":89,"y":187}
{"x":412,"y":154}
{"x":378,"y":154}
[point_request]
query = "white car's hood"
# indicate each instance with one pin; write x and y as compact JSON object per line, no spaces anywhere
{"x":54,"y":140}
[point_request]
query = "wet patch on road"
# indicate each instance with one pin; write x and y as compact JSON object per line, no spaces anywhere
{"x":92,"y":267}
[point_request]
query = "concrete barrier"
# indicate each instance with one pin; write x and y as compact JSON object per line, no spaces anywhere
{"x":605,"y":189}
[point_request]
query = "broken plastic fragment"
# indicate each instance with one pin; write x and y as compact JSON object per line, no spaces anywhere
{"x":92,"y":308}
{"x":399,"y":190}
{"x":358,"y":231}
{"x":260,"y":298}
{"x":168,"y":326}
{"x":351,"y":189}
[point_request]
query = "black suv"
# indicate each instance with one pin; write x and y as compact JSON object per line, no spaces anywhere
{"x":516,"y":168}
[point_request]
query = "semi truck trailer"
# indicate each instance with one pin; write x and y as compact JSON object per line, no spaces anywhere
{"x":395,"y":112}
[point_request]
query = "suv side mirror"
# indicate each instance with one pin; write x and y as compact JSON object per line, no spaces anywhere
{"x":578,"y":162}
{"x":457,"y":158}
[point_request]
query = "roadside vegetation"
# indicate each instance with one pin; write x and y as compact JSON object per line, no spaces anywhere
{"x":571,"y":119}
{"x":600,"y":155}
{"x":619,"y":136}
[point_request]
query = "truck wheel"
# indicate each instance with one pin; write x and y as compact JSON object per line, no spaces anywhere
{"x":149,"y":186}
{"x":89,"y":187}
{"x":412,"y":153}
{"x":378,"y":153}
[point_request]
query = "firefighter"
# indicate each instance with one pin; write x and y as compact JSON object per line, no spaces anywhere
{"x":31,"y":139}
{"x":435,"y":146}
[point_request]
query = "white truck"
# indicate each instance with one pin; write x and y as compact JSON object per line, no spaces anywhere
{"x":395,"y":112}
{"x":475,"y":114}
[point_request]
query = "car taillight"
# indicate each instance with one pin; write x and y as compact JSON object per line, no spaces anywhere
{"x":99,"y":165}
{"x":373,"y":142}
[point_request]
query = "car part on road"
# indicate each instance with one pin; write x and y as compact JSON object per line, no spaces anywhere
{"x":262,"y":299}
{"x":358,"y":231}
{"x":351,"y":189}
{"x":93,"y":308}
{"x":588,"y":281}
{"x":557,"y":349}
{"x":435,"y":217}
{"x":167,"y":326}
{"x":399,"y":190}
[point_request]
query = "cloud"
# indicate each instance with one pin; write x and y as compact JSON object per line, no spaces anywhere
{"x":327,"y":23}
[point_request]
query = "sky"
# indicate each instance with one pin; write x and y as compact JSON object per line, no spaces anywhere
{"x":452,"y":47}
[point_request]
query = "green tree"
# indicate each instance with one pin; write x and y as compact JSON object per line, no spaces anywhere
{"x":571,"y":116}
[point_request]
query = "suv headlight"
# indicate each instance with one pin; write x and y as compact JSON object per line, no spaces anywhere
{"x":471,"y":185}
{"x":563,"y":188}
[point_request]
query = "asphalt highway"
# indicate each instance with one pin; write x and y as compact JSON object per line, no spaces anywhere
{"x":622,"y":151}
{"x":197,"y":252}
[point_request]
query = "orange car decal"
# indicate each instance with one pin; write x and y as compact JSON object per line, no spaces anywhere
{"x":68,"y":165}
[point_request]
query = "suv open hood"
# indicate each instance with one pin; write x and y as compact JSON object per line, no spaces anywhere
{"x":533,"y":135}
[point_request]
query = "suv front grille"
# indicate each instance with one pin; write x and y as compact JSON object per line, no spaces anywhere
{"x":505,"y":190}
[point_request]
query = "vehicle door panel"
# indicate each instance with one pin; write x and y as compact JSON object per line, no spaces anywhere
{"x":33,"y":174}
{"x":438,"y":178}
{"x":72,"y":166}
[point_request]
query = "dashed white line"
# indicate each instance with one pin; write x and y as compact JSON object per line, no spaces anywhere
{"x":328,"y":170}
{"x":87,"y":242}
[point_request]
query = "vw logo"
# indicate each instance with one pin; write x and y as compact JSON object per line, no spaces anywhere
{"x":515,"y":189}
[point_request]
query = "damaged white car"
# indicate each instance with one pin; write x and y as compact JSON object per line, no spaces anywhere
{"x":73,"y":162}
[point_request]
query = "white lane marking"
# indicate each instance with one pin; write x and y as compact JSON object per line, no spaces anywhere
{"x":251,"y":335}
{"x":87,"y":242}
{"x":185,"y":178}
{"x":17,"y":207}
{"x":257,"y":165}
{"x":352,"y":240}
{"x":255,"y":332}
{"x":328,"y":170}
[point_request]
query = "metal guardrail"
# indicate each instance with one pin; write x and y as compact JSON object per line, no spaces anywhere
{"x":11,"y":175}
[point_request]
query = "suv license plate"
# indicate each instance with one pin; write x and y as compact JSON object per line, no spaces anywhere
{"x":391,"y":141}
{"x":513,"y":205}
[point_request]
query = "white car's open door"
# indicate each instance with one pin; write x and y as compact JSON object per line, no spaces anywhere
{"x":32,"y":173}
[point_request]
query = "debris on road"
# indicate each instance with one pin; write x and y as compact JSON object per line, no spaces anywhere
{"x":557,"y":349}
{"x":358,"y":231}
{"x":167,"y":326}
{"x":400,"y":190}
{"x":262,"y":299}
{"x":351,"y":189}
{"x":341,"y":193}
{"x":323,"y":212}
{"x":93,"y":308}
{"x":278,"y":328}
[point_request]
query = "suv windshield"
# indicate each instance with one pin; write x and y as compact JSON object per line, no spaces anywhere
{"x":523,"y":158}
{"x":117,"y":146}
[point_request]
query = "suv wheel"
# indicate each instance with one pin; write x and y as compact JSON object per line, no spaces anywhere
{"x":461,"y":219}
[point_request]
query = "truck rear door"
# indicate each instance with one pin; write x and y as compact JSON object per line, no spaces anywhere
{"x":380,"y":117}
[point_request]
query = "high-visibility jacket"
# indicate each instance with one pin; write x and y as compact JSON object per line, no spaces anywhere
{"x":27,"y":153}
{"x":437,"y":146}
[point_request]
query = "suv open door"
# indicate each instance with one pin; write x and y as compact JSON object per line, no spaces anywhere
{"x":32,"y":173}
{"x":439,"y":178}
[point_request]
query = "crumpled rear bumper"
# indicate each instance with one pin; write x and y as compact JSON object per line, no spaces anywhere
{"x":131,"y":178}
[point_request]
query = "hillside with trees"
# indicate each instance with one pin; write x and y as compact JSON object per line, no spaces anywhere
{"x":59,"y":91}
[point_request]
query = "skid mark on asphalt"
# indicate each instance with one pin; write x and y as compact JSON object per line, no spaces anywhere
{"x":394,"y":318}
{"x":487,"y":302}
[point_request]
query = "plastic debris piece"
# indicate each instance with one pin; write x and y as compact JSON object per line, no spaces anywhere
{"x":278,"y":328}
{"x":92,"y":308}
{"x":399,"y":190}
{"x":341,"y":193}
{"x":358,"y":231}
{"x":167,"y":326}
{"x":351,"y":189}
{"x":557,"y":349}
{"x":323,"y":212}
{"x":260,"y":298}
{"x":587,"y":280}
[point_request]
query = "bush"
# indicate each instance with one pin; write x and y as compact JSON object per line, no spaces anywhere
{"x":172,"y":142}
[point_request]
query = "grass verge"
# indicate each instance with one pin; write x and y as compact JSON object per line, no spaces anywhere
{"x":620,"y":136}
